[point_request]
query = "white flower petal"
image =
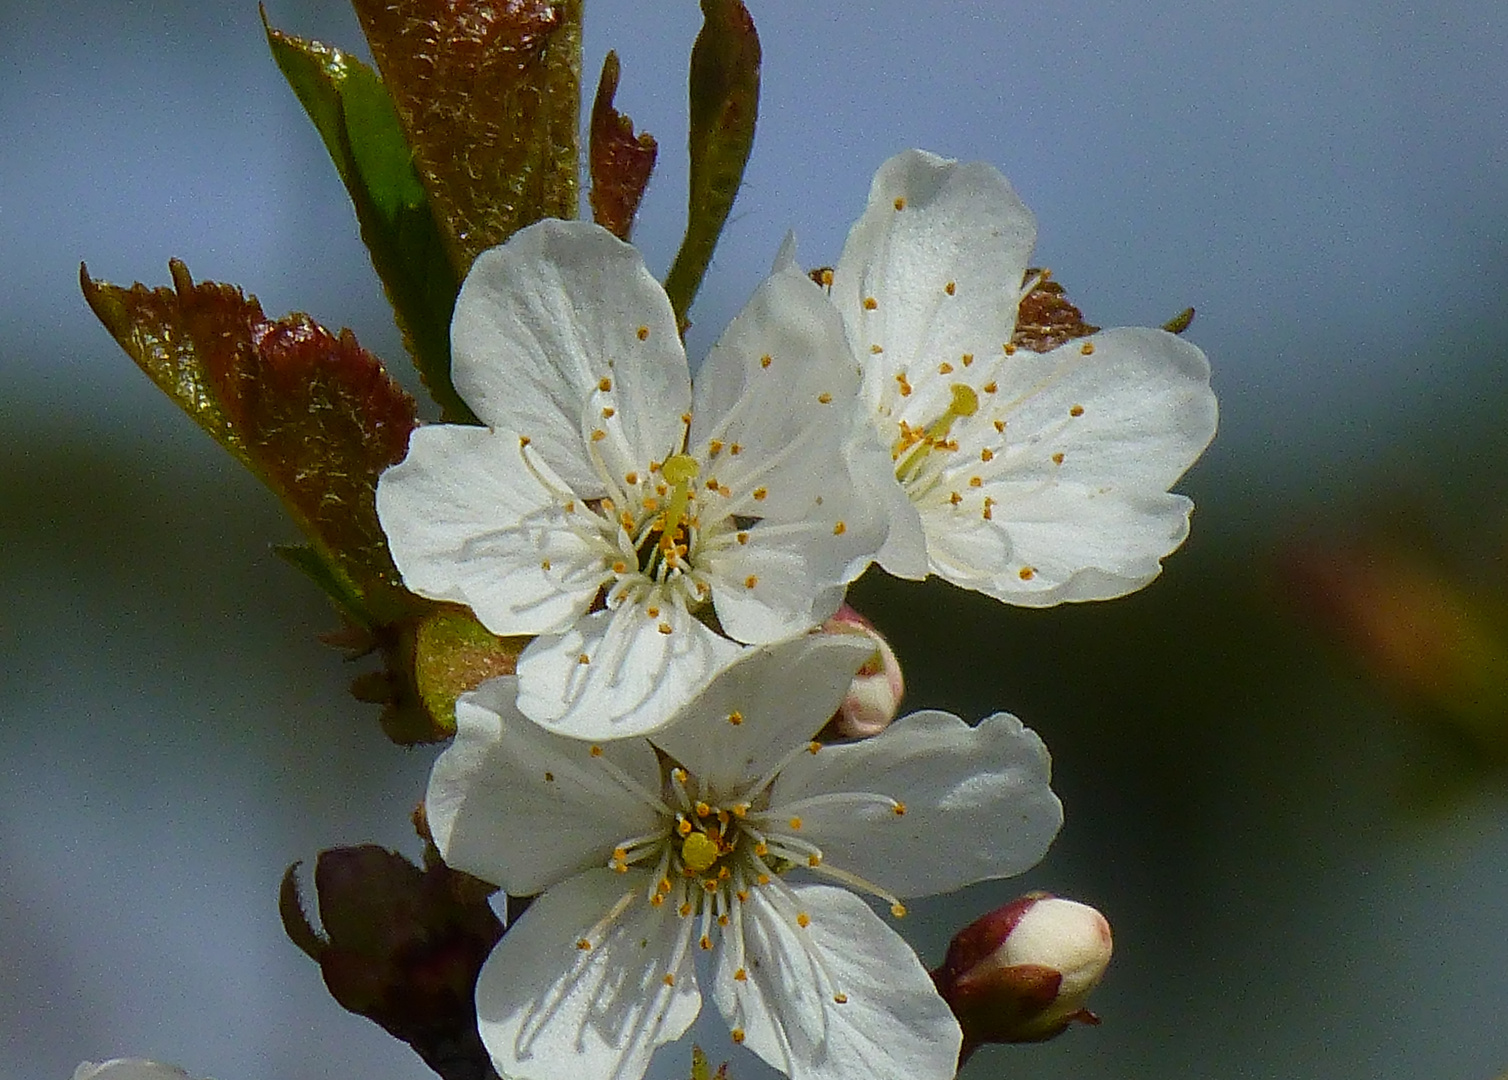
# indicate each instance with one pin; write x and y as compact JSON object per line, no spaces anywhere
{"x":1084,"y":544}
{"x":977,"y":804}
{"x":932,"y":223}
{"x":784,"y":581}
{"x":781,"y":385}
{"x":904,"y":553}
{"x":461,"y":487}
{"x":550,"y":1010}
{"x":543,"y":322}
{"x":1130,"y":415}
{"x":761,"y":707}
{"x":633,"y":678}
{"x":965,"y":548}
{"x":128,"y":1069}
{"x":892,"y":1023}
{"x":1078,"y":476}
{"x":505,"y":783}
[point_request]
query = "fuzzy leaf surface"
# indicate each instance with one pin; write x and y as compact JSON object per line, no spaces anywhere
{"x":724,"y":88}
{"x":620,"y":160}
{"x":354,"y":115}
{"x":489,"y":98}
{"x":311,"y":413}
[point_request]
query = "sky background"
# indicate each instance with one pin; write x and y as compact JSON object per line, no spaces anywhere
{"x":1326,"y":182}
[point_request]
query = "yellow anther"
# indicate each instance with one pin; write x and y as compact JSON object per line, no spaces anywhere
{"x":604,"y":384}
{"x":1077,"y":410}
{"x":705,"y":942}
{"x":840,"y":998}
{"x":1087,"y":348}
{"x":643,"y":333}
{"x":898,"y":909}
{"x":738,"y":1033}
{"x":795,"y":824}
{"x":814,"y":859}
{"x":735,"y":718}
{"x":583,"y":944}
{"x":703,"y":810}
{"x":1057,"y":459}
{"x":683,"y":827}
{"x":803,"y":920}
{"x":595,"y":751}
{"x":669,"y":979}
{"x":899,"y":809}
{"x":740,"y":976}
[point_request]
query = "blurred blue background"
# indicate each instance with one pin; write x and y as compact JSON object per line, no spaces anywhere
{"x":1307,"y":869}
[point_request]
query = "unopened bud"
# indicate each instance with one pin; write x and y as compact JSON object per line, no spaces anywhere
{"x":1022,"y":972}
{"x":128,"y":1069}
{"x":874,"y":696}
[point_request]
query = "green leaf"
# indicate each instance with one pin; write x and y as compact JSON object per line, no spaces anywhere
{"x":489,"y":98}
{"x":311,"y":413}
{"x":701,"y":1070}
{"x":455,"y":653}
{"x":354,"y":115}
{"x":620,"y":160}
{"x":724,"y":106}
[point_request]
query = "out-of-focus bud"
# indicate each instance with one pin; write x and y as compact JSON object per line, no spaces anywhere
{"x":1022,"y":972}
{"x":401,"y":946}
{"x":874,"y":697}
{"x":128,"y":1069}
{"x":1418,"y":627}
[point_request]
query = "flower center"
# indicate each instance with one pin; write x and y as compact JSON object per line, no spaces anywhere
{"x":911,"y":449}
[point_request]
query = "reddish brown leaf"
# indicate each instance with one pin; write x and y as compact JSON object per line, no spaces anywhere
{"x":314,"y":415}
{"x":1046,"y":318}
{"x":489,"y":96}
{"x":620,"y":160}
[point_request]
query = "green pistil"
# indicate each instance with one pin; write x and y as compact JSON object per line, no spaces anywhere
{"x":965,"y":403}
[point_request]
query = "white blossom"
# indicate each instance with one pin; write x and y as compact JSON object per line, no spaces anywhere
{"x":128,"y":1069}
{"x":645,"y":531}
{"x":700,"y":856}
{"x":1033,"y":478}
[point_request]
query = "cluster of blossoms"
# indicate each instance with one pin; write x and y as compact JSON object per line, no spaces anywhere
{"x":652,"y":772}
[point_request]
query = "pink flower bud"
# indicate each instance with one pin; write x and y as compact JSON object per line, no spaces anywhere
{"x":874,"y":697}
{"x":1022,"y":972}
